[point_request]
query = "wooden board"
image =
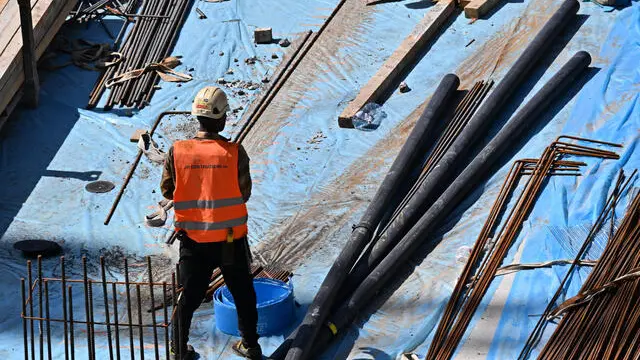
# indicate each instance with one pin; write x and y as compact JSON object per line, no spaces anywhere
{"x":46,"y":26}
{"x":43,"y":15}
{"x":404,"y":55}
{"x":9,"y":23}
{"x":478,"y":8}
{"x":3,"y":3}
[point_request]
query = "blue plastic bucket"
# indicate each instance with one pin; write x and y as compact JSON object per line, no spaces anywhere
{"x":274,"y":302}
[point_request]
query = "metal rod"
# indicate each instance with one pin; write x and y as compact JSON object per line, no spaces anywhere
{"x":105,"y":296}
{"x":71,"y":329}
{"x":24,"y":320}
{"x":116,"y":325}
{"x":40,"y":313}
{"x":181,"y":344}
{"x":92,"y":321}
{"x":64,"y":307}
{"x":166,"y":320}
{"x":48,"y":323}
{"x":31,"y":285}
{"x":141,"y":329}
{"x":86,"y":306}
{"x":153,"y":310}
{"x":135,"y":164}
{"x":129,"y":317}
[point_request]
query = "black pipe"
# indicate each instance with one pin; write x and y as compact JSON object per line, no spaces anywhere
{"x":434,"y":183}
{"x":421,"y":137}
{"x":464,"y":184}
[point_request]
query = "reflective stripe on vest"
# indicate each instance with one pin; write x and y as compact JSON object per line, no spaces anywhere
{"x":207,"y":197}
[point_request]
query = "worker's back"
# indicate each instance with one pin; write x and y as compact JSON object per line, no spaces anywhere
{"x":207,"y":198}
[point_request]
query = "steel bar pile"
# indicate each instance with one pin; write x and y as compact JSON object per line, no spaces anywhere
{"x":608,"y":211}
{"x":467,"y":297}
{"x":603,"y":320}
{"x":149,"y":41}
{"x":377,"y":276}
{"x":103,"y":309}
{"x":364,"y":281}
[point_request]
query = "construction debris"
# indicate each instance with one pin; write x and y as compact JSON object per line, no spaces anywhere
{"x":263,"y":36}
{"x":404,"y":88}
{"x":284,"y":42}
{"x":201,"y":14}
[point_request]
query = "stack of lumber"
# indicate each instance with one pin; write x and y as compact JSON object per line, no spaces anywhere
{"x":47,"y":16}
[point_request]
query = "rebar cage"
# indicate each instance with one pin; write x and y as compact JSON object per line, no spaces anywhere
{"x":74,"y":311}
{"x":103,"y":307}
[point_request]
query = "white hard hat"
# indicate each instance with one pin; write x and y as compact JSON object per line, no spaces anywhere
{"x":210,"y":102}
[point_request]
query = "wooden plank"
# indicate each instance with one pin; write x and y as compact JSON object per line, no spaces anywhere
{"x":478,"y":8}
{"x":3,"y":3}
{"x":30,"y":60}
{"x":403,"y":56}
{"x":17,"y":77}
{"x":44,"y":14}
{"x":9,"y":24}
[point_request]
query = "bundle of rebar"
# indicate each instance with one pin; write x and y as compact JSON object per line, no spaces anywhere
{"x":603,"y":320}
{"x":149,"y":42}
{"x":608,"y":212}
{"x":467,"y":294}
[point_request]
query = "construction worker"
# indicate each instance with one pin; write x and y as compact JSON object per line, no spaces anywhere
{"x":208,"y":179}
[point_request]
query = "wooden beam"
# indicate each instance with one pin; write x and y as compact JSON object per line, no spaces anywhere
{"x":29,"y":57}
{"x":46,"y":27}
{"x":479,"y":8}
{"x":44,"y":14}
{"x":403,"y":56}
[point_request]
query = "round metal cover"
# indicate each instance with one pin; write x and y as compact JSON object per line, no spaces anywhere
{"x":38,"y":247}
{"x":100,"y":186}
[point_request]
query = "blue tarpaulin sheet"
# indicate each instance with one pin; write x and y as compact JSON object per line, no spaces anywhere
{"x":312,"y":180}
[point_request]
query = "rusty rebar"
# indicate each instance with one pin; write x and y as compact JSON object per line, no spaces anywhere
{"x":129,"y":317}
{"x":71,"y":329}
{"x":153,"y":310}
{"x":64,"y":306}
{"x":31,"y":285}
{"x":141,"y":329}
{"x":116,"y":325}
{"x":24,"y":319}
{"x":166,"y":320}
{"x":92,"y":320}
{"x":40,"y":306}
{"x":105,"y":296}
{"x":47,"y":322}
{"x":86,"y":306}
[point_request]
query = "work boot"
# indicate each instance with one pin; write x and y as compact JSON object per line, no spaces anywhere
{"x":189,"y":354}
{"x":253,"y":352}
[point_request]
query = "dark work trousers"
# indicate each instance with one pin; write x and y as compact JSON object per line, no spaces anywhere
{"x":197,"y":262}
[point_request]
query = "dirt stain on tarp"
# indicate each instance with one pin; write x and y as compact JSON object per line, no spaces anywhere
{"x":348,"y":28}
{"x":310,"y":228}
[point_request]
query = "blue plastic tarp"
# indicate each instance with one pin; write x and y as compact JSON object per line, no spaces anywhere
{"x":312,"y":180}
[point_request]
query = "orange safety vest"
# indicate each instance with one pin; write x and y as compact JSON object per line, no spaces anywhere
{"x":207,"y":200}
